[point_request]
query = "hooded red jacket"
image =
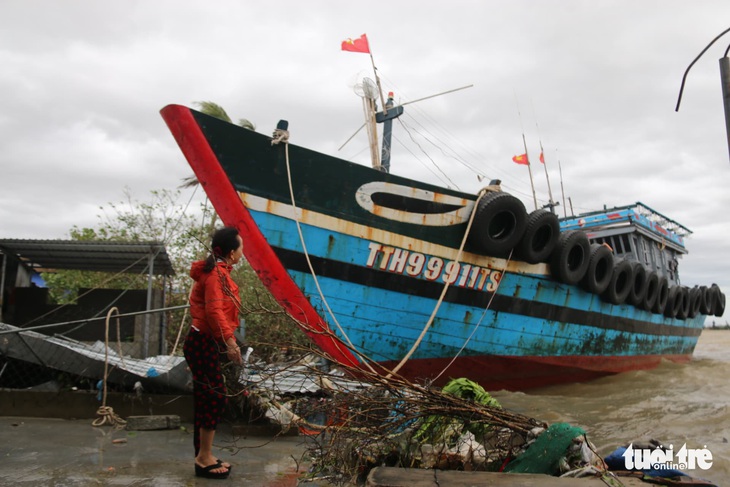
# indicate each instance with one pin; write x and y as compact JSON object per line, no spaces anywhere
{"x":214,"y":301}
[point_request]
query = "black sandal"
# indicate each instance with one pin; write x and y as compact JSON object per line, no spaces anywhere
{"x":206,"y":473}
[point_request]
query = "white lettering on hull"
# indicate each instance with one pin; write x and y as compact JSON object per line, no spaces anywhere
{"x":431,"y":268}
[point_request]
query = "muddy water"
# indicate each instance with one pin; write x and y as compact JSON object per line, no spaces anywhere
{"x":676,"y":404}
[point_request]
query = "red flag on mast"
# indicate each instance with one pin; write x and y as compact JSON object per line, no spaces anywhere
{"x":542,"y":158}
{"x":521,"y":159}
{"x":356,"y":45}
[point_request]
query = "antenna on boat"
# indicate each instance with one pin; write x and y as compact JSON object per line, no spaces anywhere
{"x":527,"y":158}
{"x":529,"y":169}
{"x":562,"y":190}
{"x":551,"y":204}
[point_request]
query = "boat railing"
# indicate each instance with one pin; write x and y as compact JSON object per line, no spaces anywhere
{"x":660,"y":225}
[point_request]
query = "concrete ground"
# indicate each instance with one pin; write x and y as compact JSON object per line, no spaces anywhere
{"x":73,"y":453}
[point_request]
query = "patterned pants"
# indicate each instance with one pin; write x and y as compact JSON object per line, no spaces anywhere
{"x":209,"y":391}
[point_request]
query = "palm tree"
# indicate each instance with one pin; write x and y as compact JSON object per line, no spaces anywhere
{"x":217,"y":111}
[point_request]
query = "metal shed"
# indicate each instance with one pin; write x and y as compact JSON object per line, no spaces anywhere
{"x":149,"y":258}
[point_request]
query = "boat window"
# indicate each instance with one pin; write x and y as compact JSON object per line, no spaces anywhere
{"x":645,"y":249}
{"x":620,"y":244}
{"x":625,"y":244}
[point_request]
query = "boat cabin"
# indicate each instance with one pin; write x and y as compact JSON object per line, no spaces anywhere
{"x":636,"y":233}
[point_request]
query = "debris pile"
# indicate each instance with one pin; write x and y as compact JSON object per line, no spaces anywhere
{"x":388,"y":421}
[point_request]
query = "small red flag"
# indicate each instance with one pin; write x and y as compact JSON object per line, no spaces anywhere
{"x":521,"y":159}
{"x":542,"y":158}
{"x":357,"y":45}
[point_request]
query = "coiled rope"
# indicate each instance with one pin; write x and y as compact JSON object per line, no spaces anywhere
{"x":106,"y":413}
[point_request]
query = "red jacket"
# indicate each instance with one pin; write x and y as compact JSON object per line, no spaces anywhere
{"x":214,"y":302}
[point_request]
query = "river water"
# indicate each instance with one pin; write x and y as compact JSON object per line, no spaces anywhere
{"x":675,"y":404}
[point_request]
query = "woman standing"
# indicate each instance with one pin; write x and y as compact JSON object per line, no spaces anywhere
{"x":214,"y":305}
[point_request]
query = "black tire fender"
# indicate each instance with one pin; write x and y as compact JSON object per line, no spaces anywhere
{"x":718,"y":300}
{"x":720,"y":305}
{"x":652,"y":288}
{"x":695,"y":299}
{"x":541,"y":235}
{"x":570,"y":258}
{"x":600,"y":269}
{"x":706,"y":301}
{"x":498,"y":225}
{"x":638,"y":287}
{"x":674,"y":302}
{"x":621,"y":283}
{"x":662,"y":294}
{"x":683,"y":312}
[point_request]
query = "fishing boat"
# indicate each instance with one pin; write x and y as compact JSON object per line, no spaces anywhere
{"x":394,"y":275}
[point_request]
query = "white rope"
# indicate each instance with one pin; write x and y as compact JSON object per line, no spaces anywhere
{"x":107,"y":413}
{"x":306,"y":252}
{"x":481,"y":318}
{"x":182,"y":325}
{"x":443,"y":292}
{"x":391,"y":372}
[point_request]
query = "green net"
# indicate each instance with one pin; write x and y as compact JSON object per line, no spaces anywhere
{"x":544,"y":455}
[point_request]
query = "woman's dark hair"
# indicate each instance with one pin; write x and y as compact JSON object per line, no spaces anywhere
{"x":224,"y":241}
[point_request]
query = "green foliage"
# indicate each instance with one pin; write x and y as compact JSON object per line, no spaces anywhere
{"x":468,"y":389}
{"x":186,"y":232}
{"x":162,"y":219}
{"x":217,"y":111}
{"x":214,"y":110}
{"x":442,"y":429}
{"x":268,"y":329}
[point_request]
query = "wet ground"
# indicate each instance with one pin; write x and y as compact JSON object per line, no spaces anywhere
{"x":73,"y":453}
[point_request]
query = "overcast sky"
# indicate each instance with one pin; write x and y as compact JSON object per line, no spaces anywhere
{"x":596,"y":82}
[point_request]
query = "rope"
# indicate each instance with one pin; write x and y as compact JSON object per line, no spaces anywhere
{"x":479,"y":323}
{"x":106,"y":413}
{"x":283,"y":136}
{"x":182,"y":325}
{"x":304,"y":246}
{"x":417,"y":343}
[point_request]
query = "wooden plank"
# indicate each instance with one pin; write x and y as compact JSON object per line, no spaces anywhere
{"x":157,"y":422}
{"x":411,"y":477}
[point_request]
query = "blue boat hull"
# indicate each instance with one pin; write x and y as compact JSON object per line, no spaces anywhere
{"x":529,"y":332}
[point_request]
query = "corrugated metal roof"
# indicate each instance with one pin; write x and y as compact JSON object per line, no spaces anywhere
{"x":101,"y":256}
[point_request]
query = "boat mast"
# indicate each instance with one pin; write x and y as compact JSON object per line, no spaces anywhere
{"x":552,"y":204}
{"x":372,"y":127}
{"x":529,"y":169}
{"x":370,"y":108}
{"x":562,"y":190}
{"x":386,"y":118}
